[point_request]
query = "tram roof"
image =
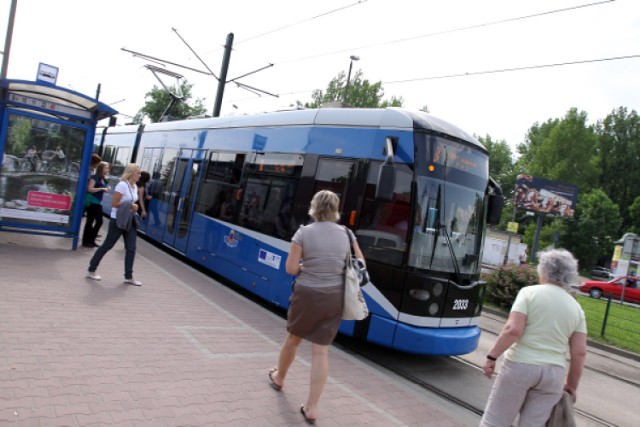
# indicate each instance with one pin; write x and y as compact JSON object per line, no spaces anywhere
{"x":395,"y":118}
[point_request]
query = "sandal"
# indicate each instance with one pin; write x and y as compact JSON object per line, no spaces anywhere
{"x":304,"y":414}
{"x":273,"y":383}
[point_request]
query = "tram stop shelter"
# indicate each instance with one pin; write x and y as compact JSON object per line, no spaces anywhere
{"x":46,"y":141}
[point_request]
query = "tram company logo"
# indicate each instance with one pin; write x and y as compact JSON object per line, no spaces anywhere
{"x":232,"y":239}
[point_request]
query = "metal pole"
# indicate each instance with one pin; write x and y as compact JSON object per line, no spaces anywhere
{"x":626,"y":281}
{"x":346,"y":90}
{"x":7,"y":40}
{"x":513,"y":219}
{"x":534,"y":247}
{"x":223,"y":75}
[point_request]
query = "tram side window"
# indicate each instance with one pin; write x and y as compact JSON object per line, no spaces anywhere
{"x":220,"y":192}
{"x":382,"y":229}
{"x":119,"y":157}
{"x":269,"y":193}
{"x":165,"y":174}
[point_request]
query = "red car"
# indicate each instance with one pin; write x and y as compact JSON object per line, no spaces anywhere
{"x":597,"y":288}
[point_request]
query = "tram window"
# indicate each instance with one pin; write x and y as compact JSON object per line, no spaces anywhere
{"x":333,"y":175}
{"x":225,"y":167}
{"x":277,"y":164}
{"x":167,"y":166}
{"x":382,"y":228}
{"x":253,"y":204}
{"x":119,"y":160}
{"x":107,"y":154}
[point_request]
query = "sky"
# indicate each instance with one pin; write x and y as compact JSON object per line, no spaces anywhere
{"x":453,"y":56}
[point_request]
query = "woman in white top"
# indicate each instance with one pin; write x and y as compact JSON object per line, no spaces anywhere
{"x":545,"y":321}
{"x":125,"y":195}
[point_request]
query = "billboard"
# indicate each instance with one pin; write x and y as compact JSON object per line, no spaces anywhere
{"x":546,"y":196}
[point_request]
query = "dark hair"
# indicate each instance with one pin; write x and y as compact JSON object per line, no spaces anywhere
{"x":144,"y":178}
{"x":95,"y":159}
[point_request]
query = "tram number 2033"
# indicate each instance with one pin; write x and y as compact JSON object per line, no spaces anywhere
{"x":460,"y":304}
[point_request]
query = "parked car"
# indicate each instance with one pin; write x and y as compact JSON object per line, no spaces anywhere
{"x":601,"y":272}
{"x":597,"y":288}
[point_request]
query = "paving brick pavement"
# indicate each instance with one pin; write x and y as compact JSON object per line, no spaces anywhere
{"x":182,"y":350}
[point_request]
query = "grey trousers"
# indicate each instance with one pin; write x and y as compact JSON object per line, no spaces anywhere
{"x":531,"y":390}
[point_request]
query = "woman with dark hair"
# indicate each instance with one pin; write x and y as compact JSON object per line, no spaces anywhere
{"x":143,"y":193}
{"x":97,"y":187}
{"x":124,"y":208}
{"x":317,"y":256}
{"x":545,"y":321}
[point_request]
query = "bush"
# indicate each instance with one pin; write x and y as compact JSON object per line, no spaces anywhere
{"x":503,"y":284}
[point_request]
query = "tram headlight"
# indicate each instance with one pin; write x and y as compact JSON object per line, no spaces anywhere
{"x":420,"y":294}
{"x":438,"y":288}
{"x":433,"y":308}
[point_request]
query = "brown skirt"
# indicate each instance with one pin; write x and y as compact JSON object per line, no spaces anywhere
{"x":315,"y":313}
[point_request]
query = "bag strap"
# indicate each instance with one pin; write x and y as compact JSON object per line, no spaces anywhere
{"x":353,"y":254}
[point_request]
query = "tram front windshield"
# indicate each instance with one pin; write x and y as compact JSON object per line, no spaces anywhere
{"x":451,"y":179}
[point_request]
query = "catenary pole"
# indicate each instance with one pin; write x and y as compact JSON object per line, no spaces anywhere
{"x":7,"y":40}
{"x":222,"y":81}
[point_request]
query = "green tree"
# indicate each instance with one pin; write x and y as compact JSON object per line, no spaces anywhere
{"x":535,"y":138}
{"x":502,"y":169}
{"x":618,"y":153}
{"x":362,"y":93}
{"x":157,"y":100}
{"x":634,"y":215}
{"x":19,"y":136}
{"x":590,"y":235}
{"x":548,"y":233}
{"x":568,"y":153}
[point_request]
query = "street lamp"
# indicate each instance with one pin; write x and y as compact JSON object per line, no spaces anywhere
{"x":346,"y":90}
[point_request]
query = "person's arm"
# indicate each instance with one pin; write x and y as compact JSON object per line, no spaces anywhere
{"x":511,"y":332}
{"x":92,"y":186}
{"x":358,"y":252}
{"x":292,"y":265}
{"x":577,"y":354}
{"x":116,"y":199}
{"x":143,"y":214}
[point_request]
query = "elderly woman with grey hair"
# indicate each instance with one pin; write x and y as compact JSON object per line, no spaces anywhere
{"x":545,"y":321}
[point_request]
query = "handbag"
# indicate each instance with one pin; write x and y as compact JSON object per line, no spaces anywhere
{"x":562,"y":412}
{"x":355,"y":307}
{"x":358,"y":265}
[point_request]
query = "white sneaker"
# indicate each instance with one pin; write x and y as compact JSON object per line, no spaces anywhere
{"x":133,"y":282}
{"x":93,"y":276}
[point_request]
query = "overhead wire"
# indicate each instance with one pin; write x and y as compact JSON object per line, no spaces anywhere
{"x":454,"y":30}
{"x":460,"y":29}
{"x":506,"y":70}
{"x":293,"y":24}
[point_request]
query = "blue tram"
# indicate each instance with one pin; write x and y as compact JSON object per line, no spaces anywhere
{"x":229,"y":193}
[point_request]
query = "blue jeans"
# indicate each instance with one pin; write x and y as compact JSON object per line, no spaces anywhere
{"x":113,"y":235}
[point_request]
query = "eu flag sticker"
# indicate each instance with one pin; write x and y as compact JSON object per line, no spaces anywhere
{"x":269,"y":258}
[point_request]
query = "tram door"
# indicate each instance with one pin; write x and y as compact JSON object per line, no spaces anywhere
{"x":187,"y":170}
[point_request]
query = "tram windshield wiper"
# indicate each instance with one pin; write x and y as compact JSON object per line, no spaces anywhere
{"x":452,"y":254}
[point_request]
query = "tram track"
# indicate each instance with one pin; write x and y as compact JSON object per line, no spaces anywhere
{"x":459,"y":371}
{"x":606,"y":373}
